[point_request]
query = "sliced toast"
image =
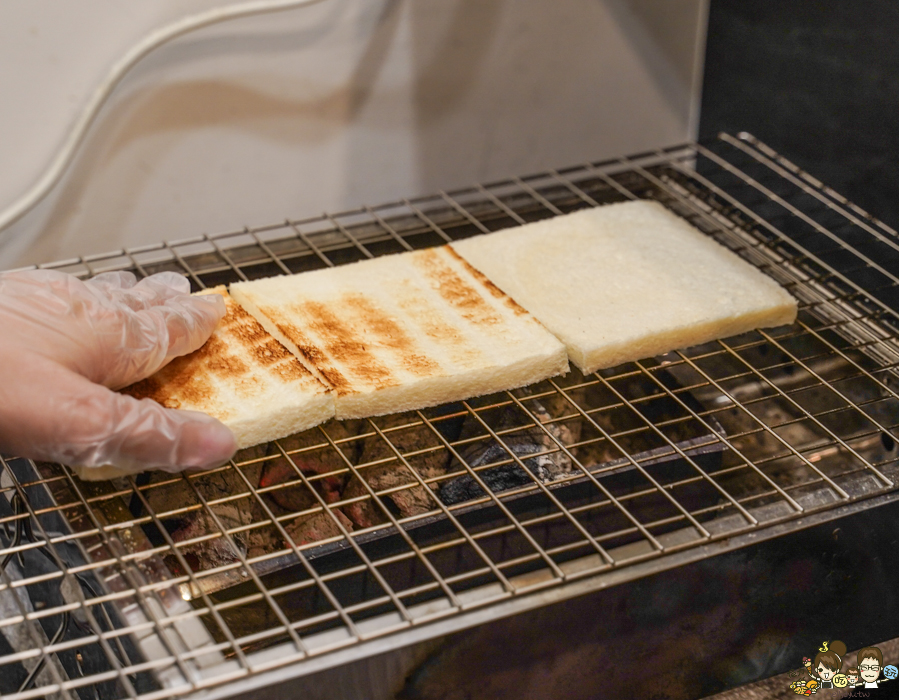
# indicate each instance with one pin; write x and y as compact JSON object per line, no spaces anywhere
{"x":627,"y":281}
{"x":404,"y":331}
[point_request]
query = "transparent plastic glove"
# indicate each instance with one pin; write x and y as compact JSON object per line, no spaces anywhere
{"x":65,"y":343}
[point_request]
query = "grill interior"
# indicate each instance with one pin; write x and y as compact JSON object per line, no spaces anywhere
{"x":163,"y":585}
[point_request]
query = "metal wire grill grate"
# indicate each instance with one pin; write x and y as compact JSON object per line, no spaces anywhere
{"x":357,"y":531}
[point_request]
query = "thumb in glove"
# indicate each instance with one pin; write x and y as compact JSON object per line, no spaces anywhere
{"x":63,"y":341}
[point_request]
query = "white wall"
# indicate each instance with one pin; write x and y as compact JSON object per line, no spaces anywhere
{"x":325,"y":108}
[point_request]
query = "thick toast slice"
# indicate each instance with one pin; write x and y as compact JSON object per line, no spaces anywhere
{"x":404,"y":331}
{"x":627,"y":281}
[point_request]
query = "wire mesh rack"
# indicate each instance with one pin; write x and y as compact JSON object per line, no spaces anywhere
{"x":408,"y":526}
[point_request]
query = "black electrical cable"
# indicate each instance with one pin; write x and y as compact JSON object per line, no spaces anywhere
{"x":23,"y":527}
{"x":17,"y":538}
{"x":60,"y":633}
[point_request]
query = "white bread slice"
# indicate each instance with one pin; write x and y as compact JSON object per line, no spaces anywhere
{"x":627,"y":281}
{"x":243,"y":377}
{"x":404,"y":331}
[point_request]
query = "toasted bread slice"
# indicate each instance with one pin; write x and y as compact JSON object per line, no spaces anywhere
{"x":246,"y":379}
{"x":627,"y":281}
{"x":404,"y":331}
{"x":243,"y":377}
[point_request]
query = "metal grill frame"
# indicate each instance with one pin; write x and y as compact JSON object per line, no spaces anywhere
{"x":720,"y":186}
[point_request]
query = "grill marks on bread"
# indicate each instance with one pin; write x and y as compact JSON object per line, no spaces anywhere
{"x":455,"y":291}
{"x":429,"y":320}
{"x":181,"y":390}
{"x":386,"y":332}
{"x":350,"y":333}
{"x":391,"y":334}
{"x":492,"y":288}
{"x":378,"y":325}
{"x":235,"y":356}
{"x":261,"y":347}
{"x":342,"y":345}
{"x":403,"y":331}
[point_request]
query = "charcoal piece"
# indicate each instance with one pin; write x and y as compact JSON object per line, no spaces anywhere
{"x":315,"y":527}
{"x":211,"y":553}
{"x":295,"y":496}
{"x":501,"y":478}
{"x":405,"y":502}
{"x":557,"y":463}
{"x":552,"y":464}
{"x":413,"y":500}
{"x":568,"y":424}
{"x":185,"y":517}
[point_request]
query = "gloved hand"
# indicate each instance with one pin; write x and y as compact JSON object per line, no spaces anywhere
{"x":65,"y":343}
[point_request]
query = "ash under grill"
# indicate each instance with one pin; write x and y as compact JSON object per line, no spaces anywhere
{"x":403,"y":527}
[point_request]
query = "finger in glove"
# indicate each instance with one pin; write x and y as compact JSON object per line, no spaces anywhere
{"x":79,"y":422}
